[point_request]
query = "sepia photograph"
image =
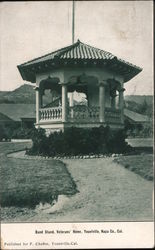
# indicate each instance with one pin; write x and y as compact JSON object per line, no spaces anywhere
{"x":76,"y":119}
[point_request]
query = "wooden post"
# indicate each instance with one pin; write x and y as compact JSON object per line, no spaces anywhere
{"x":71,"y":100}
{"x":121,"y":103}
{"x":64,"y":102}
{"x":71,"y":104}
{"x":113,"y":102}
{"x":41,"y":99}
{"x":37,"y":103}
{"x":102,"y":101}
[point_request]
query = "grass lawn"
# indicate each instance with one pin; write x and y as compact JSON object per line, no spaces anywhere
{"x":26,"y":183}
{"x":140,"y":142}
{"x":9,"y":147}
{"x":140,"y":164}
{"x":107,"y":191}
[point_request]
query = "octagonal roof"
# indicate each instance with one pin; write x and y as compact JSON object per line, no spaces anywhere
{"x":79,"y":52}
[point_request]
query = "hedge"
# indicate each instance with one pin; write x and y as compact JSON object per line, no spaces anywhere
{"x":79,"y":141}
{"x":15,"y":131}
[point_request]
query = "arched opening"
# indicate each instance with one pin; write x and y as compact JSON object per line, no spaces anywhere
{"x":50,"y":92}
{"x":51,"y":98}
{"x":114,"y":87}
{"x":84,"y":88}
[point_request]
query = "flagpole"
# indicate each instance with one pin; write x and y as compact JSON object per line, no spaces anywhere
{"x":73,"y":17}
{"x":73,"y":26}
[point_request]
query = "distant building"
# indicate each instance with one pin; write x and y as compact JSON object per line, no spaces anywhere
{"x":137,"y":124}
{"x":5,"y":120}
{"x":136,"y":118}
{"x":20,"y":114}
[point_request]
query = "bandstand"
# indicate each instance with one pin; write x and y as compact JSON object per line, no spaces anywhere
{"x":79,"y":68}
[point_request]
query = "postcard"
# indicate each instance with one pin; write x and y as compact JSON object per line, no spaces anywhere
{"x":76,"y":125}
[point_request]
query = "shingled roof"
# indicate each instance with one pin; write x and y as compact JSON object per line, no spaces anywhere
{"x":136,"y":117}
{"x":15,"y":112}
{"x":4,"y":118}
{"x":78,"y":52}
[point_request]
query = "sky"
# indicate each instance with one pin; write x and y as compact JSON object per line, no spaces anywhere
{"x":32,"y":29}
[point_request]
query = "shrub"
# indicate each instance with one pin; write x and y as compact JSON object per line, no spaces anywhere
{"x":14,"y":131}
{"x":79,"y":141}
{"x":117,"y":143}
{"x":40,"y":142}
{"x":136,"y":130}
{"x":21,"y":133}
{"x":3,"y":133}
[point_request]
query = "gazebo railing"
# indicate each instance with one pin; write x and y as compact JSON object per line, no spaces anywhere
{"x":50,"y":114}
{"x":112,"y":115}
{"x":91,"y":114}
{"x":83,"y":113}
{"x":80,"y":113}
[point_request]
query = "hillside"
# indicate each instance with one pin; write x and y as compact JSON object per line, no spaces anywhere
{"x":24,"y":94}
{"x":140,"y":99}
{"x":140,"y":104}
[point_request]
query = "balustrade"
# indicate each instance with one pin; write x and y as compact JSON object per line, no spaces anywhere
{"x":80,"y":113}
{"x":94,"y":113}
{"x":50,"y":113}
{"x":112,"y":115}
{"x":84,"y":113}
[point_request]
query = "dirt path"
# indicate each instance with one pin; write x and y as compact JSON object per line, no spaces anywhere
{"x":107,"y":192}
